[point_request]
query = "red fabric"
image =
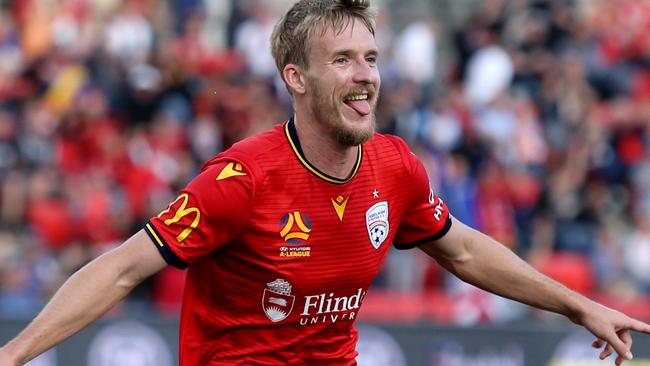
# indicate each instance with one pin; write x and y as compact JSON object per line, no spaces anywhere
{"x":641,"y":86}
{"x":622,"y":26}
{"x":434,"y":306}
{"x":69,"y":155}
{"x":96,"y":213}
{"x":630,"y":147}
{"x":137,"y":182}
{"x":495,"y":207}
{"x":52,"y":221}
{"x":247,"y":244}
{"x":525,"y":189}
{"x":168,"y":290}
{"x":428,"y":214}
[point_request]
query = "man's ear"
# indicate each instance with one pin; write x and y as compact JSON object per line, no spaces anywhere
{"x":294,"y":77}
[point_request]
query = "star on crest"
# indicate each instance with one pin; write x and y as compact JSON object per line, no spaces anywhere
{"x":375,"y":193}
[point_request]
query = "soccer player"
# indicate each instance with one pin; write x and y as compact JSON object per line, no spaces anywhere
{"x":283,"y":233}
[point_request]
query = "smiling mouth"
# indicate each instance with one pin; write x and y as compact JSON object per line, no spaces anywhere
{"x":360,"y":102}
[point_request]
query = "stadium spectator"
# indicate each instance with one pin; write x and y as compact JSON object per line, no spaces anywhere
{"x":324,"y":139}
{"x":68,"y":102}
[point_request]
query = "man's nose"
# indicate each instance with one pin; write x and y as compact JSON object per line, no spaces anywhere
{"x":364,"y":72}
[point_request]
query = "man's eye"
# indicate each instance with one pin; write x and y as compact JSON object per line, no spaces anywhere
{"x":371,"y":60}
{"x":340,"y":60}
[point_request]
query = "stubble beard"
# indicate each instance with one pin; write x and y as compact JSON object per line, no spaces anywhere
{"x":326,"y":111}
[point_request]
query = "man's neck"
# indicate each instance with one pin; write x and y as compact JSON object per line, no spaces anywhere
{"x":323,"y":152}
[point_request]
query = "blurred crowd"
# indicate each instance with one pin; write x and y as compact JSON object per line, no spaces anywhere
{"x":530,"y":115}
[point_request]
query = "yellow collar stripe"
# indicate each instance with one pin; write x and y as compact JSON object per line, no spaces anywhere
{"x":297,"y":151}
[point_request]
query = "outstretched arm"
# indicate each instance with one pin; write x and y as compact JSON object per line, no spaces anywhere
{"x":84,"y":297}
{"x":477,"y":259}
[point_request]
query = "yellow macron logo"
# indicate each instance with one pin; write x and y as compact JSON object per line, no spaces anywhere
{"x":231,"y":170}
{"x":339,"y":206}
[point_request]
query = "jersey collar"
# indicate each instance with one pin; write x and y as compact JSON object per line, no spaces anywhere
{"x":292,"y":137}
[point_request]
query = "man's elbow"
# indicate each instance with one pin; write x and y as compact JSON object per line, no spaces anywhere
{"x":458,"y":259}
{"x":125,"y":270}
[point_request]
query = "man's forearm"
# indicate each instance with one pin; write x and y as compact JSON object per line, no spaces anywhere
{"x":477,"y":259}
{"x":84,"y":297}
{"x":492,"y":267}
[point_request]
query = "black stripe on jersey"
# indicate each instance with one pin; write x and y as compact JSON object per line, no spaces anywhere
{"x":439,"y":235}
{"x":163,"y":248}
{"x":292,"y":136}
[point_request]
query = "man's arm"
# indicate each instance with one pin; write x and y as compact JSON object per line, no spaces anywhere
{"x":477,"y":259}
{"x":84,"y":297}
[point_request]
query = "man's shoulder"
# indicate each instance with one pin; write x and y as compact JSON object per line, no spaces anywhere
{"x":259,"y":144}
{"x":386,"y":143}
{"x":391,"y":150}
{"x":250,"y":150}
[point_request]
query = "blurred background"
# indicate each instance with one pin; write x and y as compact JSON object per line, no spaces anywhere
{"x":532,"y":117}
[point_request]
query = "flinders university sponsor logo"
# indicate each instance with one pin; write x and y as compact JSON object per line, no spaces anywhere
{"x":329,"y":308}
{"x":295,"y":228}
{"x":377,"y":223}
{"x":277,"y":300}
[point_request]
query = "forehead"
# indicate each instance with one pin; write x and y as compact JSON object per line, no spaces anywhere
{"x":352,"y":36}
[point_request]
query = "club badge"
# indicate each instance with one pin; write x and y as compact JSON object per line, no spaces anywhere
{"x":377,"y":223}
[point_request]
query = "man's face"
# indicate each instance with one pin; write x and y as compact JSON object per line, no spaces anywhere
{"x":342,"y":83}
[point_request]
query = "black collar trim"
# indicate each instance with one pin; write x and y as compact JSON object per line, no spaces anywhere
{"x":292,"y":137}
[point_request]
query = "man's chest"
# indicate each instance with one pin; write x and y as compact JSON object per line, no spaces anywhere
{"x":322,"y":237}
{"x":316,"y":252}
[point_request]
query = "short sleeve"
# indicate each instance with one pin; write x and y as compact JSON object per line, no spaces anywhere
{"x":427,"y":217}
{"x":208,"y":214}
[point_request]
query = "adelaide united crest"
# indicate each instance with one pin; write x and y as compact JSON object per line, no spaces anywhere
{"x":377,"y":223}
{"x":277,"y":300}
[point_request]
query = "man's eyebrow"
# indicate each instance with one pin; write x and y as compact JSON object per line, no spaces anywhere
{"x":349,"y":51}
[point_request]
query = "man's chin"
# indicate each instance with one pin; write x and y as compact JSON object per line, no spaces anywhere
{"x":354,"y":133}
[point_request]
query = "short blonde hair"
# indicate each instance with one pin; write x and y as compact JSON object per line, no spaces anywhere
{"x":291,"y":36}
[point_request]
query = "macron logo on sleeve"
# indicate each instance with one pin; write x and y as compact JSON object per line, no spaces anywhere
{"x":231,"y":170}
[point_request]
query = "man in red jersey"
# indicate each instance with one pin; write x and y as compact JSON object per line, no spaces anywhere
{"x":283,"y":233}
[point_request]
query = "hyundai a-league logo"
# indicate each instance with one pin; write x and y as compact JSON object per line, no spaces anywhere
{"x":295,"y":227}
{"x":377,"y":223}
{"x":277,"y":300}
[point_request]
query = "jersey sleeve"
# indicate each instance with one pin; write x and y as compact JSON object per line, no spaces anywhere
{"x":207,"y":214}
{"x":427,"y":217}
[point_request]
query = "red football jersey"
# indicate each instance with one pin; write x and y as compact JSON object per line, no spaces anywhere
{"x":281,"y":255}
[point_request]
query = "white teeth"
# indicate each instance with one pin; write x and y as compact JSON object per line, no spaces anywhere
{"x":357,"y":97}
